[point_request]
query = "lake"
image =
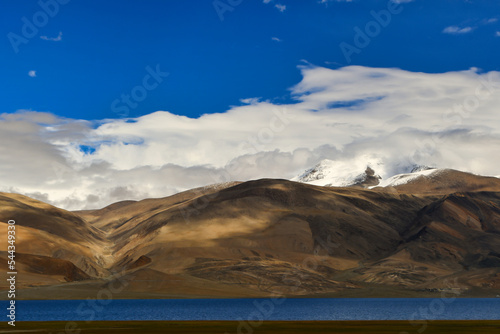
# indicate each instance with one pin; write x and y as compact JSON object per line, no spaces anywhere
{"x":260,"y":309}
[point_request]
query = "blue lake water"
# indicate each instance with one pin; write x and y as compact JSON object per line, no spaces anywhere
{"x":260,"y":309}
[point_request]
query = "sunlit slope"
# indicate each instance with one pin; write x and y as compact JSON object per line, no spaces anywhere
{"x":269,"y":236}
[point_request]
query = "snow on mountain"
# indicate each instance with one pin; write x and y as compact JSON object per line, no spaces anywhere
{"x":342,"y":173}
{"x":401,"y":179}
{"x":365,"y":171}
{"x":420,"y":168}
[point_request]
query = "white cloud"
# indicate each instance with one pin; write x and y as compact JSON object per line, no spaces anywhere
{"x":395,"y":116}
{"x":280,"y":7}
{"x":250,"y":100}
{"x":490,"y":21}
{"x":32,"y":74}
{"x":455,"y":30}
{"x":276,"y":39}
{"x":53,"y":39}
{"x":327,"y":1}
{"x":267,"y":1}
{"x":497,"y":34}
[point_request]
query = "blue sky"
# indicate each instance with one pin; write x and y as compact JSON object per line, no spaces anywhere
{"x":104,"y":48}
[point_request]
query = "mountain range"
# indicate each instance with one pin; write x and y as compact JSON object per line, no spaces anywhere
{"x":325,"y":233}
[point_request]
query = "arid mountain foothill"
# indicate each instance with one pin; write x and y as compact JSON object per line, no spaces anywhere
{"x":433,"y":234}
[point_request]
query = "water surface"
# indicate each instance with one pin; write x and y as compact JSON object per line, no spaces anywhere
{"x":261,"y":309}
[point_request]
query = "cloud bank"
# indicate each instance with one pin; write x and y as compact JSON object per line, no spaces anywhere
{"x":395,"y":117}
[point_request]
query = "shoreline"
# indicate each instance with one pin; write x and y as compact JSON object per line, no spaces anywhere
{"x":89,"y":289}
{"x":275,"y":327}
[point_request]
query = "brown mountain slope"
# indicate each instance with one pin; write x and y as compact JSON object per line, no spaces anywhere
{"x":44,"y":230}
{"x":447,"y":181}
{"x":457,"y":235}
{"x":115,"y":215}
{"x":275,"y":236}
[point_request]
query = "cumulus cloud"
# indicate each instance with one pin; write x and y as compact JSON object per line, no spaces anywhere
{"x":395,"y":117}
{"x":32,"y":74}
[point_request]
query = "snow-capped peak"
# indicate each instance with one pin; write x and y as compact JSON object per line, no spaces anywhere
{"x":401,"y":179}
{"x":341,"y":174}
{"x":420,"y":168}
{"x":364,"y":171}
